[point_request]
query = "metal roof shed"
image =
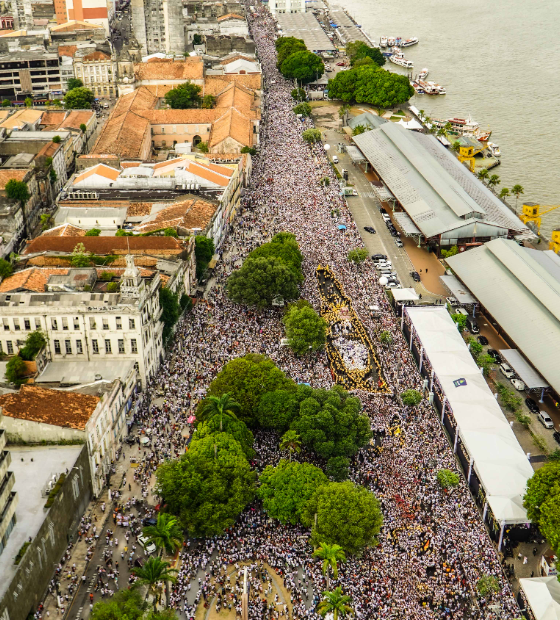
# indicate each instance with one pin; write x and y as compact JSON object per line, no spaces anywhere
{"x":524,"y":370}
{"x":458,"y":290}
{"x":405,"y":223}
{"x":356,"y":155}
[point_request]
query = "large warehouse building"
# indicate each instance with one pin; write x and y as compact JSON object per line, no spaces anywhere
{"x":519,"y":289}
{"x":443,"y":203}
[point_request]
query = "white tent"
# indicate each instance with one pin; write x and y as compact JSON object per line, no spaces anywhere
{"x":543,"y":596}
{"x":497,"y":458}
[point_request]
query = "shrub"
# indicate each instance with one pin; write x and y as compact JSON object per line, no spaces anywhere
{"x":54,"y":492}
{"x":107,"y":276}
{"x":93,"y":232}
{"x":357,"y":255}
{"x":21,"y":552}
{"x":15,"y":370}
{"x":185,"y":302}
{"x":447,"y":478}
{"x":112,"y":287}
{"x":411,"y":397}
{"x":303,"y":108}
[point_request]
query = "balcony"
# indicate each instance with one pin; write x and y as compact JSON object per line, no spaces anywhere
{"x":5,"y":460}
{"x":6,"y":487}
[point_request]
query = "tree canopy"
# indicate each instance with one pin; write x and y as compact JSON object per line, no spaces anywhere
{"x":184,"y":96}
{"x":540,"y":487}
{"x":123,"y":604}
{"x":236,"y":428}
{"x":17,"y":190}
{"x":345,"y":514}
{"x":203,"y":251}
{"x":277,"y":409}
{"x":305,"y":329}
{"x":286,"y":489}
{"x":169,"y":302}
{"x":209,"y":486}
{"x":358,"y":50}
{"x":78,"y":99}
{"x":311,"y":135}
{"x":303,"y":66}
{"x":74,"y":83}
{"x":285,"y":247}
{"x":286,"y":46}
{"x":6,"y":269}
{"x":246,"y":379}
{"x":370,"y":84}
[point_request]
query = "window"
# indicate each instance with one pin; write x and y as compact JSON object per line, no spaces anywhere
{"x":105,"y":323}
{"x":119,"y":323}
{"x":95,"y":346}
{"x":121,"y":346}
{"x":37,"y":323}
{"x":108,"y":346}
{"x":79,"y":349}
{"x":57,"y":347}
{"x":54,"y":324}
{"x":64,"y":323}
{"x":26,"y":324}
{"x":131,"y":324}
{"x":68,"y":346}
{"x":6,"y":324}
{"x":76,"y":323}
{"x":16,"y":325}
{"x":10,"y":347}
{"x":133,"y":346}
{"x":92,"y":322}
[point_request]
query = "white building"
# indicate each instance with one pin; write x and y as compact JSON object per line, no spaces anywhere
{"x":81,"y":324}
{"x":286,"y":6}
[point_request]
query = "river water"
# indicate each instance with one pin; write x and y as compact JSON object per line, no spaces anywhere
{"x":499,"y":62}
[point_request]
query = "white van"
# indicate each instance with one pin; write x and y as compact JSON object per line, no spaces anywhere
{"x":335,"y":159}
{"x":461,"y":311}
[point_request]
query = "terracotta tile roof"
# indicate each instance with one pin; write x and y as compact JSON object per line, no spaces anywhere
{"x":54,"y":407}
{"x":67,"y":50}
{"x":192,"y":213}
{"x":20,"y":117}
{"x":207,"y":173}
{"x":49,"y":149}
{"x":11,"y":173}
{"x":231,"y":59}
{"x":101,"y":170}
{"x":214,"y":84}
{"x":230,"y":16}
{"x":97,"y":55}
{"x":75,"y":25}
{"x":32,"y":279}
{"x":138,"y":100}
{"x":4,"y":114}
{"x":138,"y":209}
{"x":193,"y":116}
{"x":88,"y":204}
{"x":64,"y":230}
{"x":105,"y":245}
{"x":76,"y":118}
{"x":130,"y":164}
{"x":234,"y":125}
{"x":188,"y":69}
{"x":53,"y":117}
{"x":225,"y":156}
{"x":236,"y":96}
{"x":160,"y":90}
{"x":123,"y":135}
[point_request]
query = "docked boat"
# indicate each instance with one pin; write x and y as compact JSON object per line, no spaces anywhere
{"x":428,"y":87}
{"x":401,"y":61}
{"x":423,"y":74}
{"x":397,"y":51}
{"x":391,"y":41}
{"x":419,"y":90}
{"x":383,"y":42}
{"x":494,"y":149}
{"x":409,"y":42}
{"x":464,"y":127}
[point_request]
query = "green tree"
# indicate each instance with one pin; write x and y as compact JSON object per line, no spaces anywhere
{"x":246,"y":380}
{"x":184,"y":96}
{"x":311,"y":135}
{"x":152,"y":574}
{"x":6,"y":103}
{"x":197,"y":39}
{"x":261,"y":280}
{"x":359,"y":129}
{"x":15,"y":370}
{"x":362,"y":62}
{"x":93,"y":232}
{"x":208,"y":102}
{"x":517,"y":190}
{"x":485,"y":362}
{"x":34,"y":342}
{"x":449,"y":253}
{"x":17,"y":190}
{"x":249,"y":149}
{"x":483,"y":175}
{"x":203,"y":251}
{"x":302,"y":66}
{"x":291,"y":443}
{"x":475,"y":347}
{"x":487,"y":585}
{"x":331,"y":556}
{"x":345,"y":514}
{"x":508,"y":398}
{"x":287,"y":47}
{"x":549,"y":522}
{"x":337,"y":468}
{"x":80,"y":258}
{"x":170,"y":232}
{"x":334,"y":603}
{"x":78,"y":99}
{"x":52,"y":175}
{"x":456,"y":146}
{"x":277,"y":409}
{"x":209,"y":486}
{"x":236,"y":428}
{"x":106,"y":276}
{"x":359,"y":51}
{"x":6,"y":269}
{"x":411,"y":398}
{"x":185,"y":303}
{"x":504,"y":193}
{"x":83,"y":127}
{"x":493,"y":180}
{"x":447,"y":478}
{"x":305,"y":329}
{"x":28,"y":102}
{"x":219,"y":406}
{"x":166,"y":534}
{"x":357,"y":255}
{"x":371,"y":84}
{"x":303,"y":108}
{"x":286,"y":489}
{"x":330,"y":422}
{"x":170,"y":304}
{"x":123,"y":604}
{"x":460,"y":319}
{"x":540,"y":487}
{"x":299,"y":94}
{"x":124,"y":233}
{"x":202,"y":147}
{"x":284,"y":247}
{"x":385,"y":337}
{"x":56,"y":139}
{"x":74,"y":83}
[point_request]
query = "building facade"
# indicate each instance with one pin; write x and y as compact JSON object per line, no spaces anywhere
{"x":29,"y":73}
{"x":98,"y":72}
{"x":8,"y":497}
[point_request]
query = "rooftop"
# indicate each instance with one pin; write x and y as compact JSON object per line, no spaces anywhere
{"x":78,"y":373}
{"x":105,"y":245}
{"x":21,"y":117}
{"x":189,"y":214}
{"x":166,"y":69}
{"x":7,"y":174}
{"x":64,"y":230}
{"x":38,"y":404}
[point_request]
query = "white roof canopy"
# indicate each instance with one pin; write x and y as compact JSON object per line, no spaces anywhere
{"x":498,"y":460}
{"x":404,"y":294}
{"x":524,"y":370}
{"x":458,"y":290}
{"x":543,"y":596}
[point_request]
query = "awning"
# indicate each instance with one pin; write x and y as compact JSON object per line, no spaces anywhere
{"x":543,"y":596}
{"x":341,"y":227}
{"x":404,"y":294}
{"x":523,"y":369}
{"x":356,"y":155}
{"x":406,"y":224}
{"x":458,"y":290}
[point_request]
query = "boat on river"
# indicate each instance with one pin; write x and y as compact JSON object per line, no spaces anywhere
{"x":494,"y":149}
{"x":464,"y":127}
{"x":409,"y":42}
{"x":401,"y":61}
{"x":383,"y":42}
{"x":423,"y":74}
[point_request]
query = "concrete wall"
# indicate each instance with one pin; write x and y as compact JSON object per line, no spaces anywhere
{"x":59,"y":527}
{"x":220,"y":45}
{"x":34,"y":432}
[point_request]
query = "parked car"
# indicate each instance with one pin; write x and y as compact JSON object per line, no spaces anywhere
{"x":382,"y":210}
{"x":393,"y":285}
{"x":379,"y":257}
{"x":507,"y":371}
{"x":399,"y":243}
{"x":482,"y":340}
{"x":415,"y":276}
{"x":518,"y":385}
{"x":495,"y":354}
{"x":340,"y":64}
{"x":369,"y":229}
{"x":148,"y":546}
{"x":545,"y":419}
{"x":472,"y":325}
{"x":532,"y":405}
{"x":556,"y":436}
{"x":130,"y":439}
{"x":335,"y":159}
{"x":386,"y":217}
{"x":149,"y":521}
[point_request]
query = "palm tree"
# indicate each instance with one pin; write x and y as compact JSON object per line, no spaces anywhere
{"x":166,"y":534}
{"x":152,"y":574}
{"x":222,"y":405}
{"x":504,"y":192}
{"x":483,"y":174}
{"x":336,"y":603}
{"x":456,"y":146}
{"x":331,"y":555}
{"x":290,"y":441}
{"x":494,"y":180}
{"x":517,"y":190}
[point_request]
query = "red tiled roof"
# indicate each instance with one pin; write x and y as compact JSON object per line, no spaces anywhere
{"x":104,"y":245}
